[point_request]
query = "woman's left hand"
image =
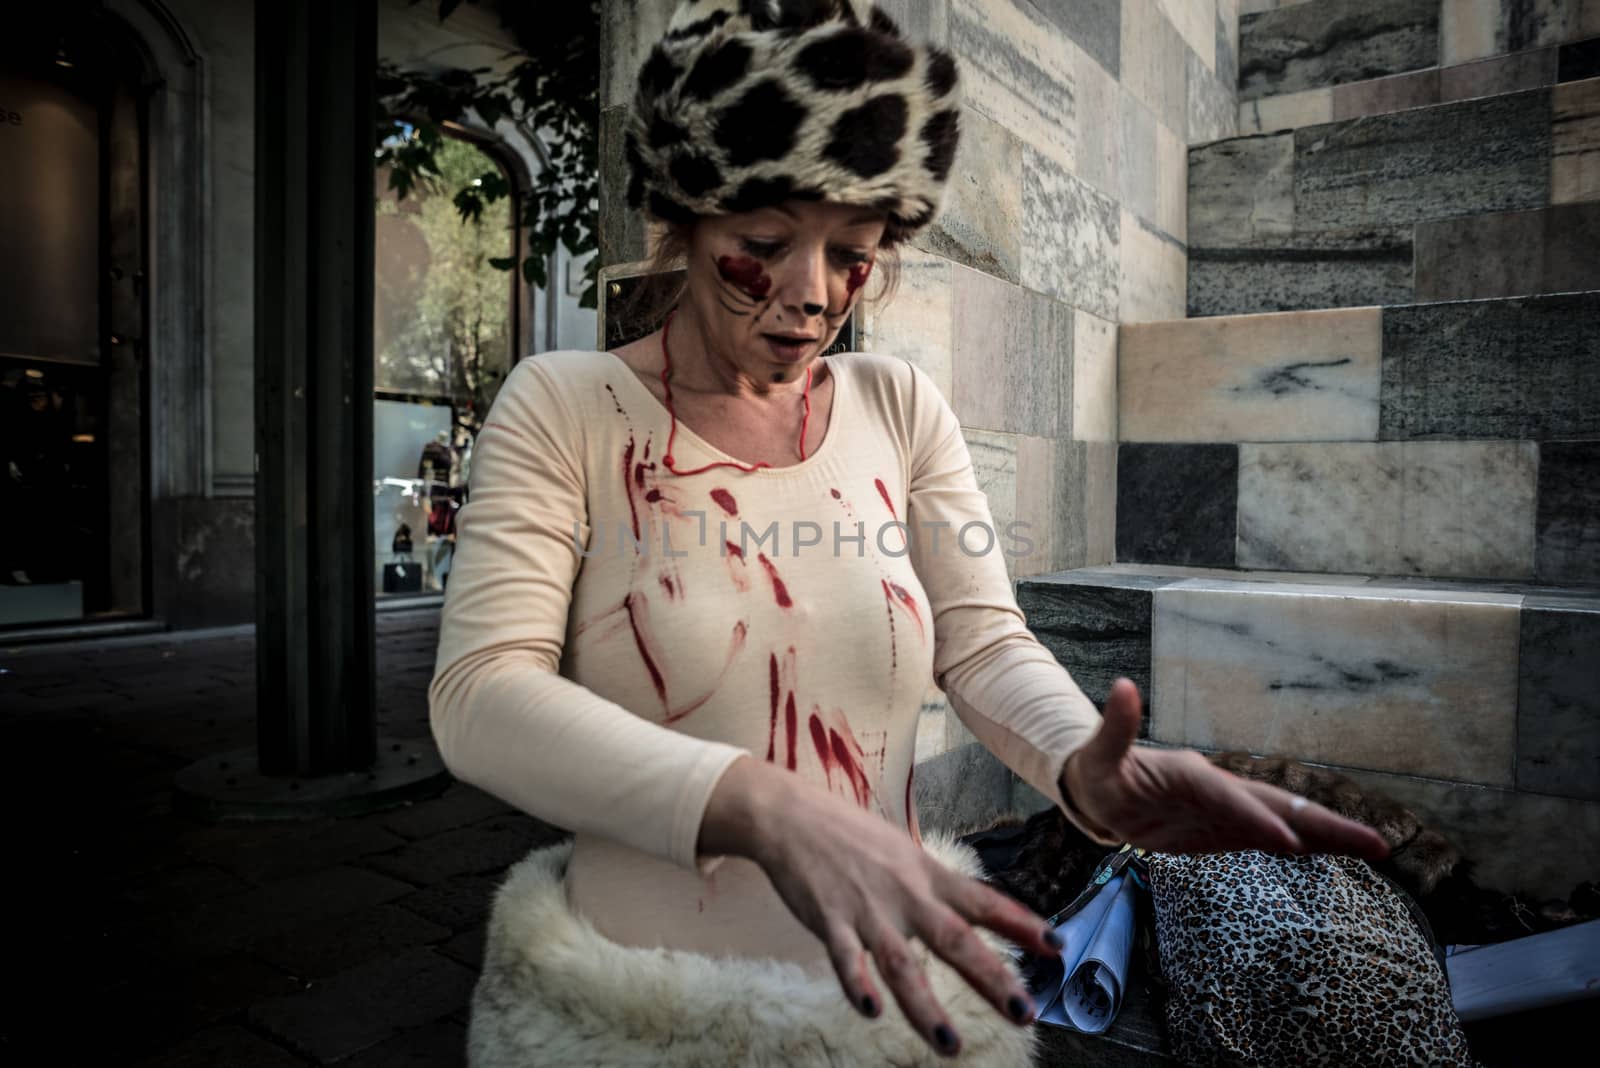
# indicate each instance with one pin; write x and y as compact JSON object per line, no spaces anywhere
{"x":1176,"y":801}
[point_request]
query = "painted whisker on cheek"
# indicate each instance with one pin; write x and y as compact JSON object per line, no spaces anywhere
{"x":729,"y":308}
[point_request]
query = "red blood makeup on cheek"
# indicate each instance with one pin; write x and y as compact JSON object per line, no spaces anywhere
{"x":746,"y":274}
{"x":857,"y":279}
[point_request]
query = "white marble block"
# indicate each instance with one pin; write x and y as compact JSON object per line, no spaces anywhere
{"x":1441,"y":508}
{"x":1414,"y":681}
{"x":1289,"y":376}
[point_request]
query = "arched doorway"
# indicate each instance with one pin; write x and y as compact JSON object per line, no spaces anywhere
{"x":74,"y":379}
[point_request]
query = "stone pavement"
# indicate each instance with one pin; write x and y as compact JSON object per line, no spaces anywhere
{"x":150,"y":938}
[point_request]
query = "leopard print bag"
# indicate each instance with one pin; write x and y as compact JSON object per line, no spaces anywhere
{"x":1315,"y":960}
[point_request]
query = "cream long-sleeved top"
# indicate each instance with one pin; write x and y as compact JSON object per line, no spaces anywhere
{"x":614,"y":635}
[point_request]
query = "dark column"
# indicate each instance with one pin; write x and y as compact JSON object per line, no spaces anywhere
{"x":315,"y":646}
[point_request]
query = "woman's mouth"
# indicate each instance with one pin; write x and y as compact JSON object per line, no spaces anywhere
{"x":789,"y":348}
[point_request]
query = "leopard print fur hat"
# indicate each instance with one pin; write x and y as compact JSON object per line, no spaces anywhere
{"x":746,"y":103}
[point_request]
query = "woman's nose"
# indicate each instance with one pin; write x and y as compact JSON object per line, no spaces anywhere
{"x":807,"y":284}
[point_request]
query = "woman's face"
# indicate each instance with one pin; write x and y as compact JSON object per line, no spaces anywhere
{"x":791,"y":271}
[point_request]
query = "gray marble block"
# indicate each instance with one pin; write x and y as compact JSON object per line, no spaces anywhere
{"x":622,"y":229}
{"x":1445,"y":508}
{"x":1414,"y":681}
{"x":963,"y":790}
{"x":1473,"y":156}
{"x":1524,"y":368}
{"x":1241,"y":191}
{"x":1327,"y":269}
{"x":1568,"y":526}
{"x":1307,"y":45}
{"x":1177,"y":504}
{"x":1558,"y":708}
{"x":1505,"y":254}
{"x":1097,"y":623}
{"x":1093,"y":25}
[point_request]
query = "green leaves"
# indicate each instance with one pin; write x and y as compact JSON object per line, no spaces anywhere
{"x":552,"y":91}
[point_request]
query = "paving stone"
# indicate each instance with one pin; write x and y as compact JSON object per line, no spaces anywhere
{"x":459,"y":806}
{"x":185,"y":886}
{"x":223,"y":1046}
{"x":275,"y":908}
{"x":466,"y":947}
{"x":153,"y":1012}
{"x":264,"y":851}
{"x":457,"y":903}
{"x":365,"y":1005}
{"x":436,"y":1045}
{"x":489,"y":847}
{"x":329,"y":946}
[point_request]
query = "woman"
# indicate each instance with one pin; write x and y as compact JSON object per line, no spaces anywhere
{"x":701,"y":584}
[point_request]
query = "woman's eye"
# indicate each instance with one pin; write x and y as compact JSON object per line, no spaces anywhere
{"x":851,"y":259}
{"x":764,"y":249}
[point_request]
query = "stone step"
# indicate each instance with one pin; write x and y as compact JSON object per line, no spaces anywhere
{"x":1331,"y":51}
{"x":1477,"y":704}
{"x":1420,"y":88}
{"x":1376,"y":210}
{"x":1457,"y":439}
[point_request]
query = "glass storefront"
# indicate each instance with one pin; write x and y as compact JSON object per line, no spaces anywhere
{"x":445,"y":328}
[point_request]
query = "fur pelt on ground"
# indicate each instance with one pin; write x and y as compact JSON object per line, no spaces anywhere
{"x":555,"y":991}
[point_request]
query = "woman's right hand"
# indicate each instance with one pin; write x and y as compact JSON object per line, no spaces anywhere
{"x":864,"y":887}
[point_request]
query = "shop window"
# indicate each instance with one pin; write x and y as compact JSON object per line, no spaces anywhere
{"x":446,"y":329}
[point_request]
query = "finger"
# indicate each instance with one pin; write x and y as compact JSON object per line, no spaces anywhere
{"x":948,"y":934}
{"x":909,"y":984}
{"x":1119,"y":725}
{"x":1319,"y":828}
{"x":849,"y":958}
{"x":1004,"y":915}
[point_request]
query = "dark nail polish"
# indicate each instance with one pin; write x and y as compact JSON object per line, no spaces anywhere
{"x":869,"y":1006}
{"x":1017,"y":1008}
{"x":945,"y":1037}
{"x":1052,"y":939}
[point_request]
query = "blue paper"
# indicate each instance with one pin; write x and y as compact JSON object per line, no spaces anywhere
{"x":1094,"y":960}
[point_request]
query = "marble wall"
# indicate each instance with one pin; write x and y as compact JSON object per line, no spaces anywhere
{"x":1473,"y":703}
{"x":1390,"y":208}
{"x":1446,"y":439}
{"x":1320,"y":60}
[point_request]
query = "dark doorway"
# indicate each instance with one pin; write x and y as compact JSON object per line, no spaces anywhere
{"x":73,"y":273}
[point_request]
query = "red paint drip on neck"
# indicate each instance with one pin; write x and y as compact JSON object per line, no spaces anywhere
{"x":746,"y":274}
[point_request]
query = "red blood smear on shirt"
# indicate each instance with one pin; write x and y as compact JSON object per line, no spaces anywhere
{"x":726,"y":501}
{"x":906,"y":599}
{"x":819,"y":738}
{"x":888,"y":607}
{"x":857,"y":279}
{"x":790,"y":727}
{"x":627,"y":467}
{"x":852,"y":767}
{"x":638,"y":639}
{"x":653,"y":496}
{"x":666,"y":584}
{"x":884,"y":493}
{"x":772,"y":682}
{"x":779,"y":590}
{"x":734,"y":550}
{"x":746,"y":274}
{"x":647,"y":449}
{"x":614,"y":398}
{"x":835,"y":493}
